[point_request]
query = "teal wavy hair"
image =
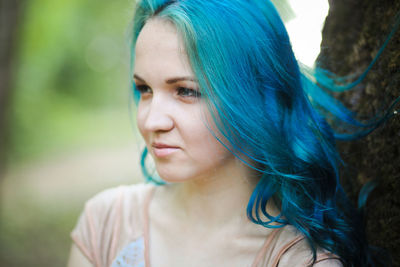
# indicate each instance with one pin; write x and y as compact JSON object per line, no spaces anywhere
{"x":271,"y":114}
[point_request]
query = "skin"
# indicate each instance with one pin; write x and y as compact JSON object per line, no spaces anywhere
{"x":192,"y":218}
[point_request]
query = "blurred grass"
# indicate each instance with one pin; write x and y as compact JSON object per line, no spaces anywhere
{"x":33,"y":238}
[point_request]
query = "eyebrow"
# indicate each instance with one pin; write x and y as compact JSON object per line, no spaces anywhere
{"x":170,"y":80}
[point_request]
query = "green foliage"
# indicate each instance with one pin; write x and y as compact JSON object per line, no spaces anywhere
{"x":284,"y":9}
{"x":71,"y":92}
{"x":72,"y":65}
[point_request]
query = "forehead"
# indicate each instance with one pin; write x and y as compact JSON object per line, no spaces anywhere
{"x":157,"y":33}
{"x":160,"y":45}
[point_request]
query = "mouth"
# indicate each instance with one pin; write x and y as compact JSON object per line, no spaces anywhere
{"x":162,"y":150}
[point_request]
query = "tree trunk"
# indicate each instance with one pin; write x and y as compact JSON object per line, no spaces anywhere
{"x":9,"y":11}
{"x":353,"y":33}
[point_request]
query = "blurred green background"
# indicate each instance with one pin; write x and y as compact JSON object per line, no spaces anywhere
{"x":72,"y":128}
{"x":72,"y":75}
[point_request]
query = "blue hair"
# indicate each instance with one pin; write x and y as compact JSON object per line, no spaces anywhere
{"x":272,"y":114}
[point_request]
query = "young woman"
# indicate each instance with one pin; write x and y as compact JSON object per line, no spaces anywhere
{"x":248,"y":168}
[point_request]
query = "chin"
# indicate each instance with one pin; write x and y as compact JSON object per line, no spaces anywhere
{"x":175,"y":178}
{"x":178,"y":175}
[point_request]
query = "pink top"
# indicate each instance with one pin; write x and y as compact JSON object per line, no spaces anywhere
{"x":113,"y":230}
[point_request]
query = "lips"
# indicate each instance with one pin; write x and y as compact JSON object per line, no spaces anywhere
{"x":163,"y":150}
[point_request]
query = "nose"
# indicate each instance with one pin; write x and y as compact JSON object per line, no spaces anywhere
{"x":158,"y":116}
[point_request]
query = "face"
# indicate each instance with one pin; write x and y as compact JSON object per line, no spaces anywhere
{"x":172,"y":116}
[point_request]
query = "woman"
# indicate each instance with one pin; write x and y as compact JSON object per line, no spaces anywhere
{"x":249,"y":167}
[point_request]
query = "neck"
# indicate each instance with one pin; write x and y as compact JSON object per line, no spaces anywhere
{"x":217,"y":200}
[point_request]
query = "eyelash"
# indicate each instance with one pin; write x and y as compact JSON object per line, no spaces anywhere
{"x":188,"y":92}
{"x":142,"y":89}
{"x":182,"y":91}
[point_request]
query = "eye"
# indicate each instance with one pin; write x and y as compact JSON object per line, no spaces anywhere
{"x":143,"y":89}
{"x":187,"y":92}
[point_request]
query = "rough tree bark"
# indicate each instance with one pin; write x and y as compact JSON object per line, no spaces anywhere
{"x":354,"y":31}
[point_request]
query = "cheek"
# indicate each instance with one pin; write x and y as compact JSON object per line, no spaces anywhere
{"x":140,"y":120}
{"x":207,"y":148}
